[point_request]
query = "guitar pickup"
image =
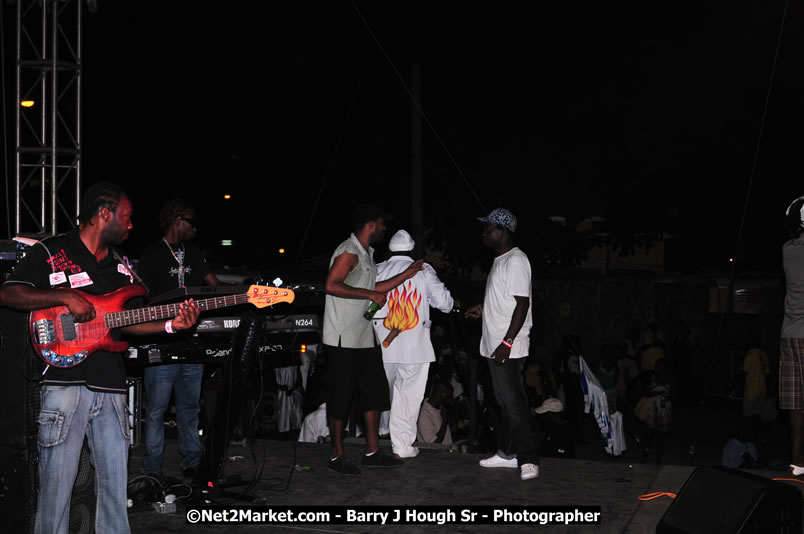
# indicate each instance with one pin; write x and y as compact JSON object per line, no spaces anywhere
{"x":58,"y":360}
{"x":68,"y":327}
{"x":45,"y":332}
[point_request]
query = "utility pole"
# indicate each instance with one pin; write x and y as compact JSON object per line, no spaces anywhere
{"x":416,"y":167}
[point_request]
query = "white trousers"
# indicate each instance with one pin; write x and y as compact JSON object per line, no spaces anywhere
{"x":407,"y":382}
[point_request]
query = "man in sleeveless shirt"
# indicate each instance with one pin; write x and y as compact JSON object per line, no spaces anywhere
{"x":354,"y":359}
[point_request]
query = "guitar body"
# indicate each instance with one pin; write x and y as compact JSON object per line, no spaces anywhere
{"x":61,"y":342}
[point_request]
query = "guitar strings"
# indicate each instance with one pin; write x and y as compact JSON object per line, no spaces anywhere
{"x":99,"y":327}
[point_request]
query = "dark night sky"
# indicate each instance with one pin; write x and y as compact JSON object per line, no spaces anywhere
{"x":647,"y":114}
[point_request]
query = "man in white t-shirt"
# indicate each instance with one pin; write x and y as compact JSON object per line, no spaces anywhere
{"x":505,"y":342}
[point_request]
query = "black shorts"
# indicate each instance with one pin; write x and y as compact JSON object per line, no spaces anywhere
{"x":355,"y":370}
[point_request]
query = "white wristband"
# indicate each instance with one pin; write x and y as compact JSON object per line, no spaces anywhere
{"x":169,"y":327}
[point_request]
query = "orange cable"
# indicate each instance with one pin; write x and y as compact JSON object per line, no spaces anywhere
{"x":651,"y":496}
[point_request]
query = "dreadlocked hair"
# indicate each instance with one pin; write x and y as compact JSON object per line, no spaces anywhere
{"x":98,"y":196}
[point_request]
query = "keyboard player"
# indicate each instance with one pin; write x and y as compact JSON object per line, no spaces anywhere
{"x":170,"y":263}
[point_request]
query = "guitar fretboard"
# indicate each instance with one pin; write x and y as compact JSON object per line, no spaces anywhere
{"x":168,"y":311}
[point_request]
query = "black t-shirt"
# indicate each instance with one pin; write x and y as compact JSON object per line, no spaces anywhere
{"x":63,"y":261}
{"x":164,"y":267}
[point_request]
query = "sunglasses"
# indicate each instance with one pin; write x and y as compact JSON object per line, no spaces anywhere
{"x":191,"y":222}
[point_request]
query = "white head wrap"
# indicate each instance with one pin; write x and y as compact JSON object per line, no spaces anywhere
{"x":401,"y":242}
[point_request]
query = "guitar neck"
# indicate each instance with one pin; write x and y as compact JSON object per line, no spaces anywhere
{"x":168,"y":311}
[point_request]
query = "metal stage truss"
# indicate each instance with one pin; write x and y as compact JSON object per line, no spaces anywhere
{"x":48,"y":115}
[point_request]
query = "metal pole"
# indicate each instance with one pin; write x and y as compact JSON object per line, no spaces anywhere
{"x":416,"y":168}
{"x":17,"y":124}
{"x":43,"y":121}
{"x":54,"y":106}
{"x":78,"y":112}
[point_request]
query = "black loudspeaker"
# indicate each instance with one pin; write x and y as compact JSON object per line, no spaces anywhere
{"x":19,"y":457}
{"x":19,"y":461}
{"x":728,"y":501}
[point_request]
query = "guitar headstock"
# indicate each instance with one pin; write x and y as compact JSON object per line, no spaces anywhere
{"x":262,"y":296}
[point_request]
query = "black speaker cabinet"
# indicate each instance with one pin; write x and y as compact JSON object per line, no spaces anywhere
{"x":19,"y":481}
{"x":19,"y":458}
{"x":728,"y":501}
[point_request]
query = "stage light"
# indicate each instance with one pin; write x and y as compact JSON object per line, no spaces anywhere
{"x":227,"y":242}
{"x":281,"y":251}
{"x":27,"y":103}
{"x":227,"y":197}
{"x":303,"y":349}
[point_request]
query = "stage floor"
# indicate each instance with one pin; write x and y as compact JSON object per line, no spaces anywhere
{"x":434,"y":478}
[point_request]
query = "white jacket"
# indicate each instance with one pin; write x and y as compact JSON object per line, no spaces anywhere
{"x":408,"y":308}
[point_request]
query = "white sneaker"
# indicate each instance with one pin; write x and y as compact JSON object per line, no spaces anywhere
{"x":499,"y":461}
{"x":528,"y":471}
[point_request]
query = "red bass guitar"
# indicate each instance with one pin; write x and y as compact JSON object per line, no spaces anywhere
{"x":60,"y":341}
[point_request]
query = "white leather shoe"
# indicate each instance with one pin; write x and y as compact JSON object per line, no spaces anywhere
{"x":413,"y":452}
{"x":499,"y":461}
{"x":528,"y":471}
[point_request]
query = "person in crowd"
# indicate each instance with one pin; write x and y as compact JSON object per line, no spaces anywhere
{"x":755,"y":391}
{"x":170,"y":263}
{"x":567,"y":362}
{"x":651,"y":351}
{"x":683,"y":354}
{"x":89,"y":399}
{"x":433,"y":425}
{"x":505,"y":343}
{"x":354,"y":359}
{"x":557,"y":441}
{"x":403,"y":326}
{"x":655,"y":410}
{"x":627,"y":372}
{"x":741,"y":452}
{"x":605,"y":369}
{"x":534,"y":385}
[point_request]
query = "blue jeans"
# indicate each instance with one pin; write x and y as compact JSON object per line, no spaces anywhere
{"x":516,"y":435}
{"x":185,"y":380}
{"x":67,"y":414}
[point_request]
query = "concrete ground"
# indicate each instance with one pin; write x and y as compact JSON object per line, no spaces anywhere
{"x":441,"y":478}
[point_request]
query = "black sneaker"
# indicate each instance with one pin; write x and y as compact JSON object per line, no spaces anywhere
{"x":380,"y":460}
{"x":344,"y":466}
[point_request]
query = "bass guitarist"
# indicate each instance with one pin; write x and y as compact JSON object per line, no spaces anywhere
{"x":87,"y":399}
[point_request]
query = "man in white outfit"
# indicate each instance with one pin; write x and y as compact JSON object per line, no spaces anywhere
{"x":403,"y":328}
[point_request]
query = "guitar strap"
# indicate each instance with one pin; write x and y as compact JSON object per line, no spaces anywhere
{"x":124,"y":261}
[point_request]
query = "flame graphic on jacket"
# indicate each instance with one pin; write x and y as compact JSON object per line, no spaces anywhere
{"x":403,"y":309}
